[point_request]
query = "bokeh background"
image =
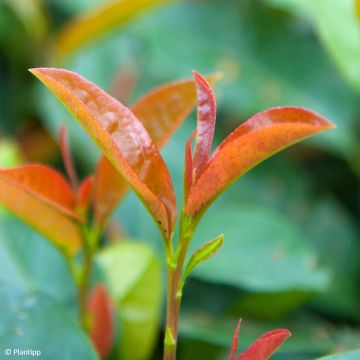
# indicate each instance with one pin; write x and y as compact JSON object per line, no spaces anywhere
{"x":292,"y":244}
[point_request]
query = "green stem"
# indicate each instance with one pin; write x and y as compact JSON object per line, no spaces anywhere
{"x":90,"y":241}
{"x":83,"y":288}
{"x":174,"y":291}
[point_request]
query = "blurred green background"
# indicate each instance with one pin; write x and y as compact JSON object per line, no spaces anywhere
{"x":292,"y":244}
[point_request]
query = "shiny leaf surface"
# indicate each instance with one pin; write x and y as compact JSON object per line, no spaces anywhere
{"x":42,"y":198}
{"x":206,"y":123}
{"x":252,"y":142}
{"x":161,"y":111}
{"x":122,"y":138}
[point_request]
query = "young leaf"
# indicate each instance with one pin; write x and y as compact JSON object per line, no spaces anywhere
{"x":255,"y":140}
{"x":41,"y":197}
{"x":84,"y":194}
{"x":202,"y":254}
{"x":206,"y":123}
{"x":265,"y":345}
{"x":101,"y":320}
{"x":235,"y":341}
{"x":188,"y":166}
{"x":109,"y":189}
{"x":122,"y":138}
{"x":98,"y":21}
{"x":260,"y":349}
{"x":161,"y":111}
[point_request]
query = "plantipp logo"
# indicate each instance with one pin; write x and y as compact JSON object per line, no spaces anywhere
{"x":22,"y":352}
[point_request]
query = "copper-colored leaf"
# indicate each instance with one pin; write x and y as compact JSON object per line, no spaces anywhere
{"x":188,"y":166}
{"x":41,"y":197}
{"x":122,"y":138}
{"x":206,"y":123}
{"x":110,"y":187}
{"x":265,"y":345}
{"x":252,"y":142}
{"x":161,"y":111}
{"x":99,"y":20}
{"x":84,"y":194}
{"x":101,"y":321}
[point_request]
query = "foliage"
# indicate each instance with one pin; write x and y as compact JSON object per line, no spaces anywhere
{"x":304,"y":202}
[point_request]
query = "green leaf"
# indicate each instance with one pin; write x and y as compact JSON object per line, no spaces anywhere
{"x":202,"y":254}
{"x":133,"y":274}
{"x":37,"y":297}
{"x":32,"y":320}
{"x":350,"y":355}
{"x":26,"y":268}
{"x":338,"y":29}
{"x":254,"y":236}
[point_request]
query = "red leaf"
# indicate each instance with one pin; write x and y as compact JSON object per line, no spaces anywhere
{"x":255,"y":140}
{"x":235,"y":342}
{"x":41,"y":197}
{"x":206,"y":123}
{"x":262,"y":348}
{"x":161,"y":111}
{"x":189,"y":169}
{"x":122,"y":138}
{"x":265,"y":345}
{"x":102,"y":324}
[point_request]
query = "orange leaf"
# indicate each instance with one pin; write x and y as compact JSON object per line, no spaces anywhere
{"x":161,"y":111}
{"x":255,"y":140}
{"x":122,"y":138}
{"x":109,"y":189}
{"x":102,"y":324}
{"x":84,"y":194}
{"x":206,"y":123}
{"x":41,"y":197}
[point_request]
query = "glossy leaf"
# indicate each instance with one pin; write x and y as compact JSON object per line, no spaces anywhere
{"x":42,"y":198}
{"x":122,"y":138}
{"x":202,"y":254}
{"x":205,"y":124}
{"x":189,"y":177}
{"x":255,"y":140}
{"x":99,"y":20}
{"x":138,"y":295}
{"x":265,"y":345}
{"x":161,"y":111}
{"x":101,"y":320}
